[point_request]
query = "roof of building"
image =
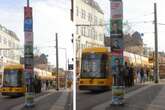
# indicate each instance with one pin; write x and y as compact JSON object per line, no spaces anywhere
{"x":94,"y":4}
{"x":9,"y":32}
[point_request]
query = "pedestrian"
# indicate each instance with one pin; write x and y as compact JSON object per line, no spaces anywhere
{"x":39,"y":85}
{"x":47,"y":84}
{"x":147,"y":73}
{"x":35,"y":84}
{"x":126,"y":74}
{"x":141,"y":75}
{"x":131,"y":76}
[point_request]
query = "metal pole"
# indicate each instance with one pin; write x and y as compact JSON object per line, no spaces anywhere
{"x":57,"y":59}
{"x":72,"y":8}
{"x":27,"y":3}
{"x":66,"y":68}
{"x":156,"y":45}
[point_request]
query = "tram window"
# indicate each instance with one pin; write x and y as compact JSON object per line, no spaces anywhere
{"x":104,"y":68}
{"x":13,"y":78}
{"x":10,"y":78}
{"x":20,"y":78}
{"x":94,"y":65}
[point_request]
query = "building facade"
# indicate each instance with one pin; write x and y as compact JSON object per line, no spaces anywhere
{"x":9,"y":47}
{"x":89,"y":20}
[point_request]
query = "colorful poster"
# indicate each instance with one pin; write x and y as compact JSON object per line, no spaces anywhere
{"x":117,"y":48}
{"x":28,"y":61}
{"x":116,"y":10}
{"x":27,"y":12}
{"x":28,"y":25}
{"x":28,"y":49}
{"x":117,"y":45}
{"x":116,"y":61}
{"x":116,"y":28}
{"x":29,"y":38}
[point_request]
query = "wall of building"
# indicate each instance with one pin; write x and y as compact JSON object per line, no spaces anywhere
{"x":9,"y":46}
{"x":89,"y":20}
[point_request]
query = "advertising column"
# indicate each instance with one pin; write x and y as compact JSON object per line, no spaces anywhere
{"x":117,"y":48}
{"x":28,"y":56}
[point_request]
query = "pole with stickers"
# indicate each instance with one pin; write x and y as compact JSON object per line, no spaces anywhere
{"x":117,"y":50}
{"x":28,"y":56}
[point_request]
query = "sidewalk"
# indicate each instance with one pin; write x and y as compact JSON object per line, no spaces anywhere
{"x":149,"y":97}
{"x":53,"y":100}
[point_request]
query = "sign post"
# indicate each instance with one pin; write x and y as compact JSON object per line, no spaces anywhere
{"x":117,"y":48}
{"x":28,"y":56}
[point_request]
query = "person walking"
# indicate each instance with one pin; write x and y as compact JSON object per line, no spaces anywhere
{"x":126,"y":77}
{"x":47,"y":84}
{"x":142,"y":75}
{"x":131,"y":76}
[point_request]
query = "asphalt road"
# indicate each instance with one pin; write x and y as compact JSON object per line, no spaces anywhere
{"x":7,"y":103}
{"x":141,"y":100}
{"x":86,"y":100}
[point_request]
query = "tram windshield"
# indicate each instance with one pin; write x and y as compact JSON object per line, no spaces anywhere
{"x":12,"y":78}
{"x":94,"y":65}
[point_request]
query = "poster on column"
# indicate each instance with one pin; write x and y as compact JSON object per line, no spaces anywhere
{"x":28,"y":25}
{"x":116,"y":28}
{"x":116,"y":60}
{"x":117,"y":45}
{"x":116,"y":10}
{"x":29,"y":38}
{"x":27,"y":12}
{"x":28,"y":50}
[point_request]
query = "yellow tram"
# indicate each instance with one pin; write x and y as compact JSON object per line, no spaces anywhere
{"x":95,"y":72}
{"x":13,"y":83}
{"x":13,"y":79}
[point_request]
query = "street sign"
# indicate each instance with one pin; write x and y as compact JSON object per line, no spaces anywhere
{"x":28,"y":25}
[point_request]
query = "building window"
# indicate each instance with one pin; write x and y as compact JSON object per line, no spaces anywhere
{"x":89,"y":17}
{"x":77,"y":11}
{"x":5,"y":41}
{"x":83,"y":14}
{"x":95,"y":20}
{"x":101,"y":23}
{"x":77,"y":29}
{"x":0,"y":39}
{"x":88,"y":32}
{"x":5,"y":53}
{"x":9,"y":43}
{"x":96,"y":36}
{"x":92,"y":33}
{"x":82,"y":30}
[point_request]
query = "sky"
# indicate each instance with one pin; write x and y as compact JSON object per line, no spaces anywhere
{"x":53,"y":16}
{"x":49,"y":17}
{"x":136,"y":12}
